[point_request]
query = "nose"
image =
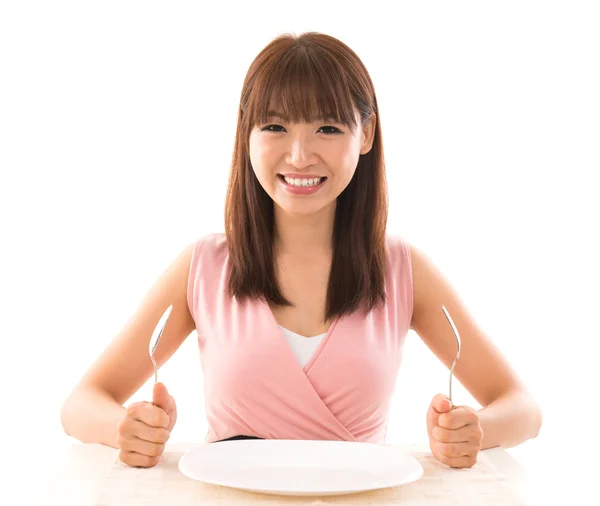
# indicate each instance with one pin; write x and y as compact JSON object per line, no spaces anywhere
{"x":300,"y":153}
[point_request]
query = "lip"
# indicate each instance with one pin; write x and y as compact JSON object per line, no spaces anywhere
{"x":295,"y":175}
{"x":302,"y":190}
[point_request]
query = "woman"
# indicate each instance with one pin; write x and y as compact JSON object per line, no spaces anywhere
{"x":302,"y":306}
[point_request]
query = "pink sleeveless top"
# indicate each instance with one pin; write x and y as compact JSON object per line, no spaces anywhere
{"x":255,"y":386}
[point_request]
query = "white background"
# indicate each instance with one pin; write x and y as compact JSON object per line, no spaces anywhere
{"x":117,"y":122}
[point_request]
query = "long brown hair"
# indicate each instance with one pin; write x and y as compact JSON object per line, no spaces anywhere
{"x":307,"y":76}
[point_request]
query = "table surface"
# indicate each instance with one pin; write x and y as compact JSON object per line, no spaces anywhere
{"x":79,"y":477}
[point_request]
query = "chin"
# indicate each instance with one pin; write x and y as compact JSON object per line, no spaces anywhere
{"x":302,"y":208}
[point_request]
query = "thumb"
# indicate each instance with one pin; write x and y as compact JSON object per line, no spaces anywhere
{"x":162,"y":399}
{"x":441,"y":403}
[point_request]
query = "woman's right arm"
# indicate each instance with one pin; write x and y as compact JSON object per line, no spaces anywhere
{"x":94,"y":409}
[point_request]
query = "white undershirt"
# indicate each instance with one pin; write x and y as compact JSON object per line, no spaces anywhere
{"x":302,"y":347}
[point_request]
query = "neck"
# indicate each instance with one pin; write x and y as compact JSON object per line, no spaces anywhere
{"x":304,"y":235}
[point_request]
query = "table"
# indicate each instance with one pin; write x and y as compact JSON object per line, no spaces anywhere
{"x":79,"y":477}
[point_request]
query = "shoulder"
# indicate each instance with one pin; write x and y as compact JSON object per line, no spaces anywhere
{"x":216,"y":240}
{"x":208,"y":247}
{"x":402,"y":251}
{"x":399,"y":260}
{"x":429,"y":286}
{"x":399,"y":277}
{"x":207,"y":256}
{"x":398,"y":250}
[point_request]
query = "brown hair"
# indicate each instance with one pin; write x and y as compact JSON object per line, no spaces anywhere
{"x":307,"y":76}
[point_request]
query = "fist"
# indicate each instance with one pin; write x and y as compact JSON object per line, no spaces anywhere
{"x":146,"y":428}
{"x":454,"y":432}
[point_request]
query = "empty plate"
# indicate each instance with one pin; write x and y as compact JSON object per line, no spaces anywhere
{"x":300,"y":468}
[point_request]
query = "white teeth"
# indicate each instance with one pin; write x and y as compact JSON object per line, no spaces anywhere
{"x":302,"y":182}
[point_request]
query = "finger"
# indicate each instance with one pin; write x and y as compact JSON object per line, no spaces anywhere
{"x":441,"y":403}
{"x":149,"y":414}
{"x":134,"y":459}
{"x":135,"y":428}
{"x":458,"y":417}
{"x":458,"y":462}
{"x":432,"y":418}
{"x":161,"y":398}
{"x":140,"y":446}
{"x":455,"y":450}
{"x":469,"y":433}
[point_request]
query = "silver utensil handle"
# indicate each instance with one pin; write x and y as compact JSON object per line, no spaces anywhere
{"x":155,"y":370}
{"x":457,"y":336}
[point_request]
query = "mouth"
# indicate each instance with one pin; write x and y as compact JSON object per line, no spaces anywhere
{"x":302,"y":186}
{"x":302,"y":182}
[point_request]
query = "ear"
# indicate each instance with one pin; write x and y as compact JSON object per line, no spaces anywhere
{"x":368,"y":135}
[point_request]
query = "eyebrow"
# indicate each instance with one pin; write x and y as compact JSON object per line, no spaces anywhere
{"x":275,"y":114}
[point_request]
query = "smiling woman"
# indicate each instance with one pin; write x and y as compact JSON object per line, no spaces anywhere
{"x":324,"y":100}
{"x":303,"y":305}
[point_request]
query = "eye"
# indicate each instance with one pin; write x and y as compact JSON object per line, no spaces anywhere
{"x":329,"y":130}
{"x":271,"y":128}
{"x":333,"y":130}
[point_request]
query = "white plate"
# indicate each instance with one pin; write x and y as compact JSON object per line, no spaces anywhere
{"x":300,"y":468}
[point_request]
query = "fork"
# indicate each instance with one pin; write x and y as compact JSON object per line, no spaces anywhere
{"x":457,"y":335}
{"x":156,"y":335}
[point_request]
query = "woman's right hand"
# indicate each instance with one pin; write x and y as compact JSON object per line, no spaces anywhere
{"x":146,"y":428}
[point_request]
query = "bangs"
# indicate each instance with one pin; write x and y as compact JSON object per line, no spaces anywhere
{"x":302,"y":87}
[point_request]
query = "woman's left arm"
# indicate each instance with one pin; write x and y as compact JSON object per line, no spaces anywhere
{"x":509,"y":415}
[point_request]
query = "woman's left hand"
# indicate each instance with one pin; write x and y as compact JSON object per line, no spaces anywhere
{"x":454,"y":432}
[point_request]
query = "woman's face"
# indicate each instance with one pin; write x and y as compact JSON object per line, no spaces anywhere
{"x":305,"y":166}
